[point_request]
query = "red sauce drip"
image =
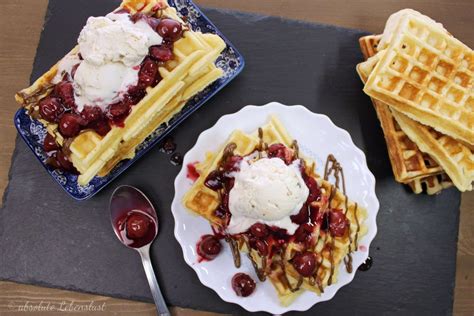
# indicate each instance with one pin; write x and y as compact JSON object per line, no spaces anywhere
{"x":192,"y":173}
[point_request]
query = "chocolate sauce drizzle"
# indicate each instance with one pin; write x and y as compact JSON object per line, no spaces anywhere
{"x":334,"y":167}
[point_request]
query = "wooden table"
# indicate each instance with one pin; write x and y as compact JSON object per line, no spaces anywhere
{"x":21,"y":21}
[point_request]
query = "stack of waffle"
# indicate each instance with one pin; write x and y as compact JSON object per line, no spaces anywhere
{"x":281,"y":273}
{"x":420,"y":79}
{"x":191,"y":70}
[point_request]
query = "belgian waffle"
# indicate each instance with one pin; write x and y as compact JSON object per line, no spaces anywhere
{"x":456,"y":159}
{"x":409,"y":164}
{"x":427,"y":74}
{"x":191,"y":70}
{"x":286,"y":280}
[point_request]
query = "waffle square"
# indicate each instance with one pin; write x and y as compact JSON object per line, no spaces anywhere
{"x":427,"y":74}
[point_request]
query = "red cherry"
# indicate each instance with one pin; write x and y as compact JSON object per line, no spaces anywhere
{"x":338,"y":223}
{"x":50,"y":109}
{"x":161,"y":52}
{"x":135,"y":94}
{"x":259,"y":245}
{"x":148,"y":75}
{"x":232,"y":163}
{"x":303,"y":233}
{"x":304,"y":263}
{"x":91,"y":113}
{"x":243,"y":284}
{"x":137,"y":225}
{"x":70,"y":124}
{"x":65,"y":92}
{"x":259,"y":230}
{"x":64,"y":161}
{"x":101,"y":127}
{"x":209,"y":247}
{"x":280,"y":151}
{"x":302,"y":217}
{"x":314,"y":190}
{"x":214,"y":180}
{"x":170,"y":29}
{"x":49,"y":143}
{"x":119,"y":109}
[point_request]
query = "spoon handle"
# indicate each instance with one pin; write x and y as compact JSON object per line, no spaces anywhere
{"x":154,"y":287}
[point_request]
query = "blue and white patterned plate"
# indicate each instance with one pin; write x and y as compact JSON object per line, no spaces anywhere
{"x":230,"y":60}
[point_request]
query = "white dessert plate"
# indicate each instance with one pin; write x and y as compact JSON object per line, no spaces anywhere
{"x":317,"y":137}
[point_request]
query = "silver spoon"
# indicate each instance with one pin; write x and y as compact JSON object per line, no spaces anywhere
{"x":136,"y":225}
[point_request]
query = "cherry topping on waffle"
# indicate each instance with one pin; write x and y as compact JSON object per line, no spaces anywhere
{"x":50,"y":109}
{"x":101,"y":127}
{"x":148,"y":75}
{"x":243,"y":284}
{"x":170,"y":29}
{"x":49,"y":143}
{"x":70,"y":124}
{"x":161,"y":52}
{"x":304,"y":263}
{"x":338,"y":223}
{"x":64,"y":161}
{"x":214,"y":180}
{"x":259,"y":245}
{"x":91,"y":114}
{"x":259,"y":230}
{"x":280,"y":151}
{"x":65,"y":92}
{"x":209,"y":247}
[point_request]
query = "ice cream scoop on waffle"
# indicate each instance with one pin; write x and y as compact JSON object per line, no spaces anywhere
{"x":301,"y":250}
{"x":131,"y":72}
{"x":419,"y":78}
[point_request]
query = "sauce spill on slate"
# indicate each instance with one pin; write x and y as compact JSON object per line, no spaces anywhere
{"x":176,"y":159}
{"x":366,"y":265}
{"x":168,"y":146}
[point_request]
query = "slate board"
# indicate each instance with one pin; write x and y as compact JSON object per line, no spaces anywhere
{"x":46,"y":238}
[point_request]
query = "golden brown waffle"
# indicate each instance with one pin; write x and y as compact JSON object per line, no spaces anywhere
{"x":203,"y":201}
{"x":409,"y":164}
{"x":456,"y":159}
{"x":453,"y":157}
{"x":427,"y":74}
{"x":188,"y":73}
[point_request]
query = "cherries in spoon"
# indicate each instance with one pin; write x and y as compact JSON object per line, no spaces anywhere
{"x":136,"y":225}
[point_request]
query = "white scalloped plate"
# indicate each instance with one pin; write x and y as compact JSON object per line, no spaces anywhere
{"x":317,"y":137}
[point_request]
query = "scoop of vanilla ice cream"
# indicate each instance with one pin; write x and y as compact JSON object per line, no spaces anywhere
{"x":267,"y":191}
{"x":112,"y":48}
{"x":115,"y":38}
{"x":102,"y":85}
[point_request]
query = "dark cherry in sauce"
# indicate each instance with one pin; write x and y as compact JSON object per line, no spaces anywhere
{"x":243,"y":284}
{"x":49,"y":143}
{"x":168,"y":146}
{"x":137,"y":225}
{"x":259,"y":230}
{"x":366,"y":265}
{"x":50,"y":109}
{"x":208,"y":247}
{"x":304,"y":263}
{"x":338,"y":224}
{"x":170,"y":29}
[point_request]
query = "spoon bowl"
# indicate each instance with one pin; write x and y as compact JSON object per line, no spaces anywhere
{"x":135,"y":224}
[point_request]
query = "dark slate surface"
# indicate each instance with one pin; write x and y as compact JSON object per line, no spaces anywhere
{"x":47,"y":238}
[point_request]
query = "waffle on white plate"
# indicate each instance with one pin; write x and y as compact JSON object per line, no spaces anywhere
{"x":277,"y":261}
{"x":419,"y":78}
{"x":170,"y":74}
